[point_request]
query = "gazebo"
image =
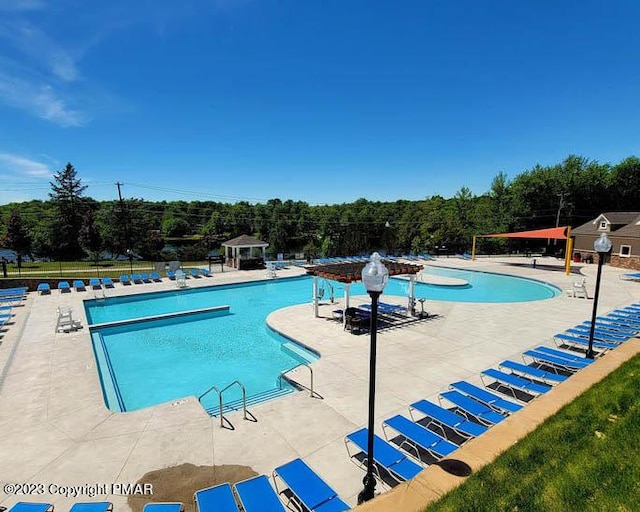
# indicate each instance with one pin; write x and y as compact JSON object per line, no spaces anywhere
{"x":245,"y":252}
{"x":351,"y":272}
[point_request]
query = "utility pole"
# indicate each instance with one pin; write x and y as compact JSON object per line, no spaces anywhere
{"x":560,"y":206}
{"x":125,"y":218}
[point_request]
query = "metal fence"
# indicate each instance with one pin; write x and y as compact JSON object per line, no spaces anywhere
{"x":89,"y":269}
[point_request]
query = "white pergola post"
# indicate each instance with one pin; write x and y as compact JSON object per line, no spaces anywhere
{"x":412,"y":299}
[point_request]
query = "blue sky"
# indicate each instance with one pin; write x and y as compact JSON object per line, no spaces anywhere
{"x":322,"y":101}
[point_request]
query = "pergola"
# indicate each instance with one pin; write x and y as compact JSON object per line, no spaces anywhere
{"x":558,"y":233}
{"x":351,"y":272}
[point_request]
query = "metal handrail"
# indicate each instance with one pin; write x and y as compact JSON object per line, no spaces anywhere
{"x":293,"y":368}
{"x":220,"y":392}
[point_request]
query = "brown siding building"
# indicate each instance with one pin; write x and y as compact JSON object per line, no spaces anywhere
{"x":622,"y":228}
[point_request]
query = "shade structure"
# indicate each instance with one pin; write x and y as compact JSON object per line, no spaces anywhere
{"x":559,"y":233}
{"x":352,"y":271}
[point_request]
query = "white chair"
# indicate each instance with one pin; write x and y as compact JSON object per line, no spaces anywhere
{"x":181,"y":279}
{"x":65,"y":322}
{"x":580,"y":288}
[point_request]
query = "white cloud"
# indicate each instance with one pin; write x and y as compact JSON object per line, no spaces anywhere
{"x":41,"y":100}
{"x":23,"y":166}
{"x":40,"y":49}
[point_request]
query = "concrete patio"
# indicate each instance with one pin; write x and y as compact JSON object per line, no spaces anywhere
{"x":57,"y":430}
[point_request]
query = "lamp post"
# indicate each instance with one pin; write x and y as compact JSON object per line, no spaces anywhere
{"x":602,"y":246}
{"x":374,"y":278}
{"x":130,"y":256}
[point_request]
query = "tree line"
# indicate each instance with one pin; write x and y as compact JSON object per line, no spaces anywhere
{"x":72,"y":226}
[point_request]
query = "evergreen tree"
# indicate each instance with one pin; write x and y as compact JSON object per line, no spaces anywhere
{"x":66,"y":197}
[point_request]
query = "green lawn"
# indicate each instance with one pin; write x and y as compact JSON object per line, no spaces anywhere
{"x":584,"y":458}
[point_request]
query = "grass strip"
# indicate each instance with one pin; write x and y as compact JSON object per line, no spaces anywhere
{"x":586,"y":457}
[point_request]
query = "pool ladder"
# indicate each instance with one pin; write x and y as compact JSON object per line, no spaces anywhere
{"x":313,"y":394}
{"x":220,"y":401}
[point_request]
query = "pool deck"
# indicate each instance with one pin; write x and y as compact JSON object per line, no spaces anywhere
{"x":55,"y":429}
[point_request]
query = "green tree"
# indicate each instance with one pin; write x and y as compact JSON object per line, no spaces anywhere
{"x":66,"y":197}
{"x":90,"y":237}
{"x":18,"y":238}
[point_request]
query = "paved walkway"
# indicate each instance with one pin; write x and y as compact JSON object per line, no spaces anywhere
{"x":55,"y":428}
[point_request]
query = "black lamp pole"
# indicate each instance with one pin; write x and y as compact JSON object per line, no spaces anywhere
{"x":369,"y":480}
{"x":602,"y":246}
{"x":601,"y":256}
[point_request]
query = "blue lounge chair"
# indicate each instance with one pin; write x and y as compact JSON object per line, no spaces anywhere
{"x":195,"y":273}
{"x":532,"y":371}
{"x":386,"y":309}
{"x":145,"y":277}
{"x":63,"y":286}
{"x":470,"y":407}
{"x":94,"y":282}
{"x":616,"y":330}
{"x":107,"y":282}
{"x":623,"y":318}
{"x":136,"y":278}
{"x":598,"y":334}
{"x":20,"y":290}
{"x":25,"y":506}
{"x":496,"y":402}
{"x":445,"y":418}
{"x":205,"y":272}
{"x":155,"y":276}
{"x":416,"y":436}
{"x":218,"y":498}
{"x":306,"y":488}
{"x":96,"y":506}
{"x":171,"y":274}
{"x":622,"y":322}
{"x":163,"y":507}
{"x":385,"y":456}
{"x":257,"y":495}
{"x":79,"y":285}
{"x":566,"y":339}
{"x":549,"y":359}
{"x":515,"y":383}
{"x":124,"y":279}
{"x":44,"y":288}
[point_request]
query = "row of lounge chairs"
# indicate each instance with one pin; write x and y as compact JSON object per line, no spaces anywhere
{"x":125,"y":279}
{"x":140,"y":278}
{"x":465,"y":410}
{"x":9,"y":298}
{"x":189,"y":272}
{"x":299,"y":486}
{"x":78,"y":285}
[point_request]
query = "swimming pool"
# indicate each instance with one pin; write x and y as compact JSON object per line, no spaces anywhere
{"x":485,"y":287}
{"x":158,"y":360}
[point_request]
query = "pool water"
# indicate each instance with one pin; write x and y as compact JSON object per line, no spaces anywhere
{"x":154,"y":361}
{"x":485,"y":287}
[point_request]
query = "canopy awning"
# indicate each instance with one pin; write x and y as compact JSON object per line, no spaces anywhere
{"x":352,"y":271}
{"x":559,"y":233}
